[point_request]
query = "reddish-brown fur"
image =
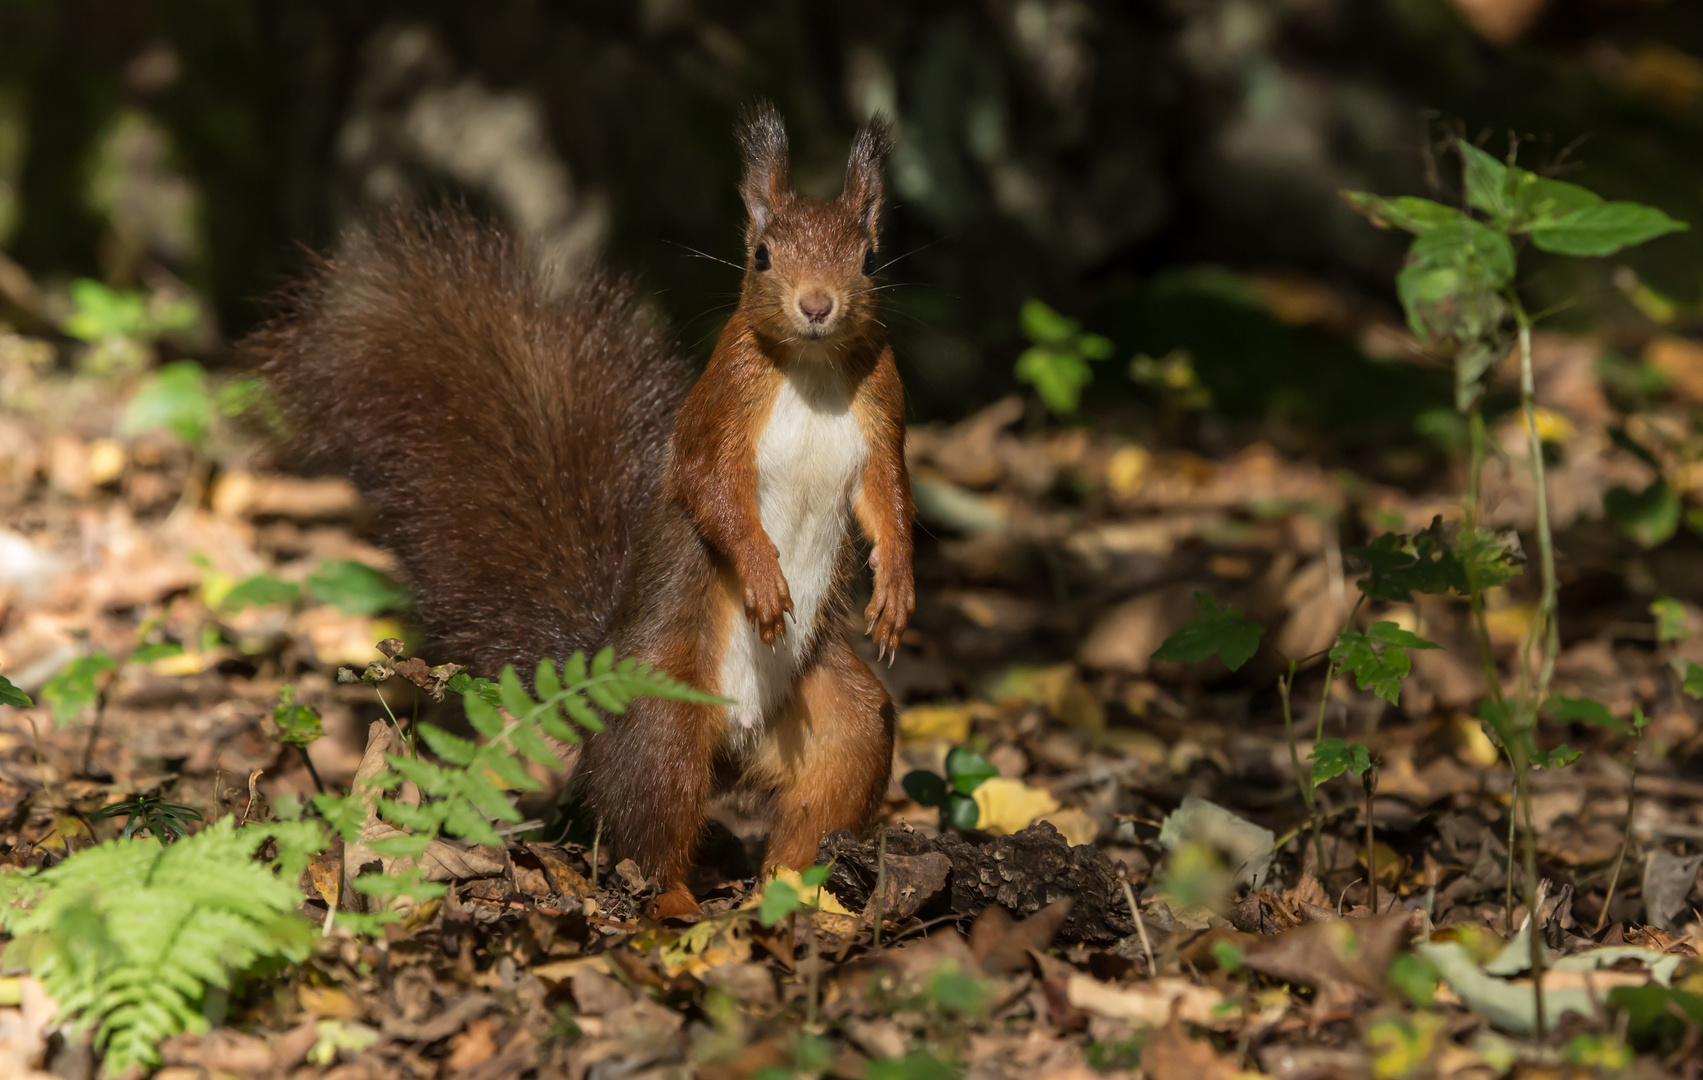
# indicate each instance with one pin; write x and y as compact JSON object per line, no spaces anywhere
{"x":513,"y":458}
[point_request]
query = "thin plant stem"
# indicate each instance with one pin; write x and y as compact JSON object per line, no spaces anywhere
{"x":406,"y":733}
{"x":311,"y":771}
{"x":1370,"y":782}
{"x":1324,"y":703}
{"x":1475,"y":591}
{"x":1625,"y":838}
{"x":1547,"y":626}
{"x":1303,"y":778}
{"x":1513,"y":849}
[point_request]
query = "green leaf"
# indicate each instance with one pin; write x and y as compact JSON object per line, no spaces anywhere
{"x":780,"y":899}
{"x":1416,"y":977}
{"x":928,"y":788}
{"x":1602,"y":229}
{"x":11,"y":695}
{"x":1389,"y":633}
{"x":1670,"y":619}
{"x":452,"y":748}
{"x":1650,"y":517}
{"x":814,"y":876}
{"x":297,"y":724}
{"x":1045,"y":326}
{"x":344,"y":813}
{"x":1224,"y":632}
{"x":1057,"y":363}
{"x":1693,"y":680}
{"x":1378,"y":658}
{"x":99,"y":313}
{"x":1399,"y":565}
{"x":961,"y":811}
{"x":356,"y":588}
{"x":1332,"y":757}
{"x":1488,"y":186}
{"x":175,"y":399}
{"x":1403,"y":212}
{"x":1558,"y":758}
{"x":515,"y":698}
{"x":1057,"y":374}
{"x":1570,"y":710}
{"x":545,"y":681}
{"x":259,"y":590}
{"x":76,"y":686}
{"x":966,"y":770}
{"x":1657,"y":1017}
{"x":159,"y":650}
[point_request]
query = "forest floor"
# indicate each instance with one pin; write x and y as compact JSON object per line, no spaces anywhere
{"x":1051,"y":564}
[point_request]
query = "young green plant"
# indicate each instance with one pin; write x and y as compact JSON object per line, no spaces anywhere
{"x":1458,"y":290}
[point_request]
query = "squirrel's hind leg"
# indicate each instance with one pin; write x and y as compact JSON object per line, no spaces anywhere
{"x":828,"y":758}
{"x":649,"y":776}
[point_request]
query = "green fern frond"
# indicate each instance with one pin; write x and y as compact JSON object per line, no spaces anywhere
{"x":129,"y":936}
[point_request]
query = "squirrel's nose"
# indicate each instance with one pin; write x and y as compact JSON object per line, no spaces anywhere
{"x":816,"y":307}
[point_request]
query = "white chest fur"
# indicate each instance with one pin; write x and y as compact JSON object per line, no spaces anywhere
{"x":810,"y":456}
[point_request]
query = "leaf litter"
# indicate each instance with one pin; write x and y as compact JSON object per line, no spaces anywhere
{"x":1140,"y":891}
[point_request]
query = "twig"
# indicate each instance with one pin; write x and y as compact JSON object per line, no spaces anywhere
{"x":1140,"y":928}
{"x":596,"y":838}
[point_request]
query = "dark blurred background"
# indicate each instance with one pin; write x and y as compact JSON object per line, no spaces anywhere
{"x":1167,"y":171}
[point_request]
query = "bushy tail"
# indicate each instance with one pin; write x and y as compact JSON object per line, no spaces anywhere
{"x":507,"y":437}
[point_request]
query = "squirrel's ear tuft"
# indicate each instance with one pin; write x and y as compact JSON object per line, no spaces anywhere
{"x":865,"y":188}
{"x":762,"y":141}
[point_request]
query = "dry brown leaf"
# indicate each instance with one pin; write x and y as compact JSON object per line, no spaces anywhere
{"x":1172,"y":1055}
{"x":1356,"y":952}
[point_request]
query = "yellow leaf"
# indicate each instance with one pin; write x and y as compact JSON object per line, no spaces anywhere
{"x":106,"y":461}
{"x":328,"y":1001}
{"x":1509,"y":625}
{"x":68,"y":834}
{"x":1553,"y":427}
{"x":1074,"y":825}
{"x":1058,"y":688}
{"x":1008,"y":806}
{"x":1127,"y":470}
{"x":949,"y":722}
{"x":813,"y":896}
{"x":1472,"y":745}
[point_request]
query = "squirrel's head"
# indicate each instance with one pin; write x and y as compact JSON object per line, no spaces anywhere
{"x":809,"y":262}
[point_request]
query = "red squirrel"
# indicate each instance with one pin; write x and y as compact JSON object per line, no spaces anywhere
{"x":530,"y":456}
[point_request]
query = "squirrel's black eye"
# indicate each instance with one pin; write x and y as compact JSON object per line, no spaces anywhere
{"x":760,"y":257}
{"x":868,"y":262}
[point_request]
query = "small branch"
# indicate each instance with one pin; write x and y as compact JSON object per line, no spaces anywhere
{"x":1140,"y":927}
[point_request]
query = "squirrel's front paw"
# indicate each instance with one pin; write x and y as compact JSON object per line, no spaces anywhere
{"x":768,"y":603}
{"x":889,"y":611}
